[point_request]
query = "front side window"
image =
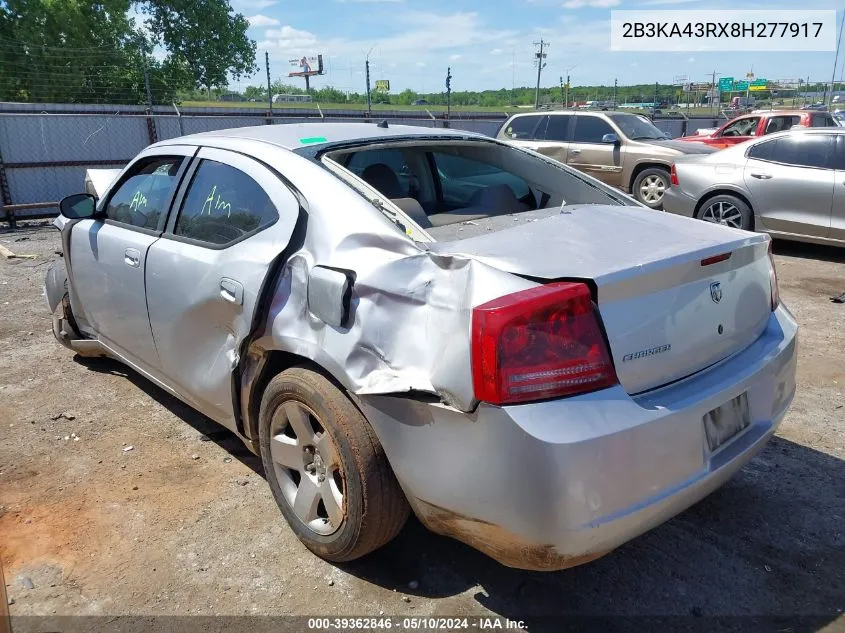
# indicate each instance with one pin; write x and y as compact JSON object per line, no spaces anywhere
{"x":223,"y":204}
{"x":636,"y":128}
{"x":590,"y":129}
{"x":743,"y":127}
{"x":142,"y":199}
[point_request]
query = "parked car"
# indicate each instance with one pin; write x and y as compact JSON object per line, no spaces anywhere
{"x":401,"y":318}
{"x":420,"y":102}
{"x":787,"y":184}
{"x":757,"y":124}
{"x":622,"y":149}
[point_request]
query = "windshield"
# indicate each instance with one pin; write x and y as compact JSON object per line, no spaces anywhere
{"x":636,"y":128}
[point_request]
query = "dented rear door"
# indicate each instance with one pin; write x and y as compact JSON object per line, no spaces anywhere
{"x":232,"y":218}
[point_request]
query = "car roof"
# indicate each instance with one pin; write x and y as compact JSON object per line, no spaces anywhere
{"x":296,"y":136}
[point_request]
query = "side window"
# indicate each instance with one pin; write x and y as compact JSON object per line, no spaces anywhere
{"x":142,"y":199}
{"x":763,"y":151}
{"x":781,"y":123}
{"x":522,"y":127}
{"x":743,"y":127}
{"x":222,"y":205}
{"x":590,"y":129}
{"x":558,"y":128}
{"x":385,"y":169}
{"x":461,"y":178}
{"x":822,"y":120}
{"x":806,"y":150}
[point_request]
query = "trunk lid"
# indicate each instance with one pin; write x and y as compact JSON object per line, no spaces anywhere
{"x":666,"y":314}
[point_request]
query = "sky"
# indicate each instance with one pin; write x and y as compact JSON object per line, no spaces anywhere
{"x":490,"y":44}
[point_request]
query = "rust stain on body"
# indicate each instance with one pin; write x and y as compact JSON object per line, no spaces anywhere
{"x":495,"y":541}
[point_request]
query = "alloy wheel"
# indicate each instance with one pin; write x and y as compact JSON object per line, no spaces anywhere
{"x":308,"y":467}
{"x":723,"y":213}
{"x":652,"y":189}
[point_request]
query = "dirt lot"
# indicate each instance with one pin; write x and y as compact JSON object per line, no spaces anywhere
{"x":184,"y":523}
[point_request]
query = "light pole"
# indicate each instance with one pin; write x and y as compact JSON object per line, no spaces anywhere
{"x":568,"y":70}
{"x":540,"y":65}
{"x":367,"y":73}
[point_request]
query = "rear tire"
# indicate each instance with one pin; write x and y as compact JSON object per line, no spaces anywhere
{"x":650,"y":185}
{"x":727,"y":210}
{"x":326,"y":468}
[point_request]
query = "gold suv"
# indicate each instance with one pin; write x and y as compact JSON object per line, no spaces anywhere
{"x":620,"y":148}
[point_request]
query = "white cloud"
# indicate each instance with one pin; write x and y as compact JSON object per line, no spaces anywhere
{"x":455,"y":57}
{"x":660,"y":3}
{"x":420,"y":64}
{"x":595,"y":4}
{"x":495,"y":51}
{"x":262,"y":20}
{"x":288,"y":38}
{"x":252,"y":5}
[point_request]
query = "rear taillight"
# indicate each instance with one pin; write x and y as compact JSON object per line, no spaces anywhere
{"x":673,"y":176}
{"x":773,"y":279}
{"x":543,"y":342}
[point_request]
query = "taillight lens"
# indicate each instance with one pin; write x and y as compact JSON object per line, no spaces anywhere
{"x":673,"y":176}
{"x":773,"y":279}
{"x":538,"y":343}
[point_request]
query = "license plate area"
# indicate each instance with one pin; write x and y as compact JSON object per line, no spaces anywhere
{"x":726,"y":421}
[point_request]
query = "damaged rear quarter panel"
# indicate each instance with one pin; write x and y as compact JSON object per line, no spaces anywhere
{"x":409,"y":325}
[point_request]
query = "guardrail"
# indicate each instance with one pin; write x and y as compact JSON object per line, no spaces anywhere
{"x":7,"y":212}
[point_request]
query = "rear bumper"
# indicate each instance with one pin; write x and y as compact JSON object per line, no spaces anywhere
{"x":555,"y":484}
{"x":679,"y":203}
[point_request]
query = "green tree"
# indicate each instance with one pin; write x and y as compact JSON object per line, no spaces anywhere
{"x":255,"y":92}
{"x":93,"y":51}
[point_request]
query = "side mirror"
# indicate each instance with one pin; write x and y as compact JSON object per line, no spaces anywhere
{"x":610,"y":138}
{"x":78,"y":206}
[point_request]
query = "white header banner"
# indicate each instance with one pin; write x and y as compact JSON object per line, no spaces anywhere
{"x":723,"y":31}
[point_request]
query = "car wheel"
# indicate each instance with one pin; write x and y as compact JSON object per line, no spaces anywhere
{"x":650,"y":185}
{"x":326,"y":468}
{"x":727,"y":210}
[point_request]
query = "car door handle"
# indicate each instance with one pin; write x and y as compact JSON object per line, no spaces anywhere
{"x":231,"y":290}
{"x":575,"y":152}
{"x":762,"y":176}
{"x":132,"y":257}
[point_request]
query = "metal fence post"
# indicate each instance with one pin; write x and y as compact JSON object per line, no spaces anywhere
{"x":5,"y":195}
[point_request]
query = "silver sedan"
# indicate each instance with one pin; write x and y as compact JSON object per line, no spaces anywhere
{"x":790,"y":184}
{"x":404,"y":319}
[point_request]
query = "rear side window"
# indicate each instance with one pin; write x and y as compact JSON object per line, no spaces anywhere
{"x":385,"y":169}
{"x":461,"y":178}
{"x":822,"y":120}
{"x":803,"y":150}
{"x":590,"y":129}
{"x":781,"y":123}
{"x":522,"y":127}
{"x":558,"y":128}
{"x":142,"y":199}
{"x":223,"y":204}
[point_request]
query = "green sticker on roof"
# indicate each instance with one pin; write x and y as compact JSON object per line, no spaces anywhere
{"x":312,"y":139}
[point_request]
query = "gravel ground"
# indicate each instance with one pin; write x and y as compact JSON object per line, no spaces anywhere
{"x":105,"y":510}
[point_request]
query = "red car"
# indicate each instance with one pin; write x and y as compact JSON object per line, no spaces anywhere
{"x":749,"y":126}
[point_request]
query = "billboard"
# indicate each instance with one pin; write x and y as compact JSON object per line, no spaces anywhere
{"x":306,"y":66}
{"x":382,"y":85}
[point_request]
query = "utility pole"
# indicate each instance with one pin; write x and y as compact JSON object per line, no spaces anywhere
{"x":656,"y":102}
{"x":713,"y":94}
{"x":269,"y":86}
{"x":838,"y":43}
{"x":147,"y":85}
{"x":369,"y":102}
{"x":566,"y":94}
{"x":562,"y":102}
{"x":540,"y":64}
{"x":448,"y":92}
{"x":615,"y":106}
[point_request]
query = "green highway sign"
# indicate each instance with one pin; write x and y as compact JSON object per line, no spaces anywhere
{"x":760,"y":82}
{"x":741,"y":85}
{"x":726,"y":84}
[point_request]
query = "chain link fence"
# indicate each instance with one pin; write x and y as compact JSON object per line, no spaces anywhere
{"x":46,"y":148}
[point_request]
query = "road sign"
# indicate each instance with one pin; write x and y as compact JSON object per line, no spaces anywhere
{"x":741,"y":85}
{"x":382,"y":85}
{"x":726,"y":84}
{"x":760,"y":82}
{"x":756,"y":88}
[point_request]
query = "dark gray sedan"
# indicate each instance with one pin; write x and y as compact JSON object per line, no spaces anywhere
{"x":790,"y":184}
